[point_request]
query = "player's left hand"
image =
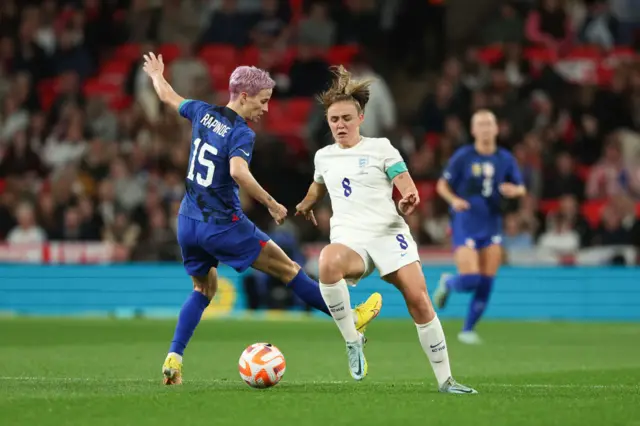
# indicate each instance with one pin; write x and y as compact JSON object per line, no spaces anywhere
{"x":307,"y":212}
{"x":153,"y":65}
{"x":510,"y":190}
{"x":409,"y":203}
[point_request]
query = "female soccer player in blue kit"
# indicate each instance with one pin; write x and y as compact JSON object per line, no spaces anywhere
{"x":474,"y":182}
{"x":212,"y":227}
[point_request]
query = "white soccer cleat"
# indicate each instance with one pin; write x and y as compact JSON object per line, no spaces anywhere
{"x":469,"y":338}
{"x":442,"y":292}
{"x":358,"y":366}
{"x":451,"y":386}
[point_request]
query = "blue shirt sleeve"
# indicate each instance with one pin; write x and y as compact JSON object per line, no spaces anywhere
{"x":513,"y":171}
{"x":242,"y":144}
{"x":191,"y":109}
{"x":454,"y":169}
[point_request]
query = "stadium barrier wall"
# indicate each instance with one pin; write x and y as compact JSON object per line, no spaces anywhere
{"x":526,"y":293}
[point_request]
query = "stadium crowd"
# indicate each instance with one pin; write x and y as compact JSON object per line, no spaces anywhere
{"x":87,"y":153}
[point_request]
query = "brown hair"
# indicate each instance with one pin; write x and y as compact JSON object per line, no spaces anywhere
{"x":344,"y":88}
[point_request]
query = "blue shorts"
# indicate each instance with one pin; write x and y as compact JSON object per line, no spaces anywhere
{"x":461,"y":240}
{"x":204,"y":245}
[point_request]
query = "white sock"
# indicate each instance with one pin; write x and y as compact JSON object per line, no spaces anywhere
{"x":176,"y":355}
{"x":338,"y":301}
{"x":434,"y":345}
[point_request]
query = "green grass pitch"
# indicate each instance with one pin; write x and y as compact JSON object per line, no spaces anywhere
{"x":107,"y":372}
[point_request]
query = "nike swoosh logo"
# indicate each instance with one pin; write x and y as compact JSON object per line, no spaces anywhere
{"x":436,"y":345}
{"x":331,"y":307}
{"x":244,"y":152}
{"x":359,"y":372}
{"x":403,"y":254}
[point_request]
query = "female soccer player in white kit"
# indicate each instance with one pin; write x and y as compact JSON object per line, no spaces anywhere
{"x":366,"y":230}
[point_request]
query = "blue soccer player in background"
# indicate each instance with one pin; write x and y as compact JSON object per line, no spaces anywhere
{"x":212,"y":227}
{"x":474,"y":183}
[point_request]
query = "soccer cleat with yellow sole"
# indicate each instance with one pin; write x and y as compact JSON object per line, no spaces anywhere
{"x":367,"y":311}
{"x":172,"y":370}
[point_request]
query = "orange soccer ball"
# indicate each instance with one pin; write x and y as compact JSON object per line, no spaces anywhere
{"x":261,"y":365}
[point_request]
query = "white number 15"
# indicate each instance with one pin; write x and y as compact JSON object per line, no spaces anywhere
{"x":204,"y":161}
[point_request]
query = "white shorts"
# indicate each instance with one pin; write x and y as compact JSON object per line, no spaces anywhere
{"x":387,"y":254}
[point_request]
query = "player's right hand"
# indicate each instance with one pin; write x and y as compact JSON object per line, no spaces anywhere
{"x":278,"y":212}
{"x":307,"y":212}
{"x":458,"y":204}
{"x":153,"y":65}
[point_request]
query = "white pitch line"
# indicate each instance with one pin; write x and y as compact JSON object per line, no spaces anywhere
{"x":300,"y":382}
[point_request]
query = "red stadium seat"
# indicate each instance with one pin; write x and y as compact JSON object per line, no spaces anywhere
{"x":128,"y":52}
{"x":95,"y":87}
{"x":426,"y":189}
{"x":341,"y":55}
{"x":115,"y":71}
{"x":592,"y":211}
{"x":277,"y":113}
{"x":249,"y":56}
{"x":169,"y":52}
{"x":220,"y":75}
{"x":585,"y":51}
{"x":432,"y":139}
{"x":583,"y":172}
{"x":540,"y":54}
{"x":549,"y":206}
{"x":298,"y":109}
{"x":219,"y":54}
{"x":490,"y":54}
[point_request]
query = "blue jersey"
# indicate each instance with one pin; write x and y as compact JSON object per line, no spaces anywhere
{"x":476,"y":178}
{"x":218,"y":134}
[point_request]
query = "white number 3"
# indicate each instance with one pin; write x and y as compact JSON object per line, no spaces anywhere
{"x":204,"y":161}
{"x":487,"y":187}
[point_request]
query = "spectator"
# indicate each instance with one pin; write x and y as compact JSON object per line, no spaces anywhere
{"x":309,"y":72}
{"x":612,"y":229}
{"x":549,"y":26}
{"x":569,"y":208}
{"x":271,"y":25}
{"x":180,"y":21}
{"x":228,"y":25}
{"x":516,"y":234}
{"x":508,"y":27}
{"x":27,"y":231}
{"x":188,"y":72}
{"x":316,"y":29}
{"x":380,"y":115}
{"x":563,"y":179}
{"x":599,"y":27}
{"x":610,"y":176}
{"x":560,"y":238}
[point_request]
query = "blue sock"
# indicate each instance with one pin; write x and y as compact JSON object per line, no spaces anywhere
{"x":464,"y":283}
{"x":188,"y":320}
{"x":309,"y":291}
{"x":478,"y":303}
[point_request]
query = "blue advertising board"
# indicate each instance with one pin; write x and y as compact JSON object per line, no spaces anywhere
{"x":546,"y":293}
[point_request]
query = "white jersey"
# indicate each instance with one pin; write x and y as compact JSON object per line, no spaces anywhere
{"x":360,"y":189}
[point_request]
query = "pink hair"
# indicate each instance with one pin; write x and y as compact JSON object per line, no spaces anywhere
{"x":250,"y":80}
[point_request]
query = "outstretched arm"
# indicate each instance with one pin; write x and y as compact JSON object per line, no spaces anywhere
{"x":316,"y":192}
{"x":239,"y":169}
{"x":410,"y":198}
{"x":154,"y":67}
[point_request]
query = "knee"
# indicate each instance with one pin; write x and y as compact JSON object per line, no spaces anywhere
{"x":206,"y":290}
{"x":286,"y":271}
{"x":206,"y":285}
{"x":330,"y":266}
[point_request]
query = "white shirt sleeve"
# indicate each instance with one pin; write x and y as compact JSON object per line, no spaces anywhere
{"x":391,"y":155}
{"x":317,"y":175}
